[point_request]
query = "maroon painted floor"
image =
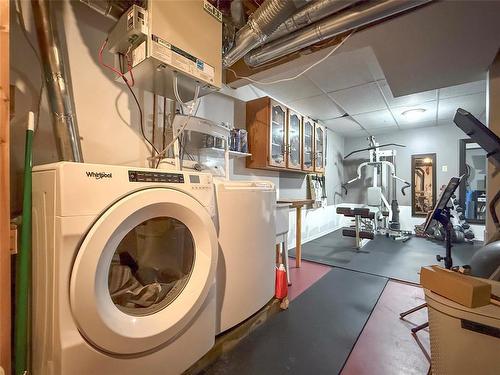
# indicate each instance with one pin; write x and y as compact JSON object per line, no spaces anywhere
{"x":386,"y":345}
{"x":305,"y":276}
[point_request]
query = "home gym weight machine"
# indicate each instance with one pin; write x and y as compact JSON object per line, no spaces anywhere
{"x":379,"y":209}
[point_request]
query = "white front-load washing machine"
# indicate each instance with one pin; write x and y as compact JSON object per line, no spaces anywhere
{"x":124,"y":263}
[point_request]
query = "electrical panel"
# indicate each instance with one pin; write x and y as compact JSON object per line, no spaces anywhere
{"x":167,"y":38}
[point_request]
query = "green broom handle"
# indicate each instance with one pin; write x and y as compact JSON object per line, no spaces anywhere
{"x":24,"y":261}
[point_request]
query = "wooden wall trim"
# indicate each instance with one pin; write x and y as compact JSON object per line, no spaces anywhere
{"x":5,"y":278}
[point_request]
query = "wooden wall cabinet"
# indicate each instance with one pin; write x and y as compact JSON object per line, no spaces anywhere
{"x":266,"y":126}
{"x":319,"y":148}
{"x":294,"y":140}
{"x":280,"y":138}
{"x":308,"y":145}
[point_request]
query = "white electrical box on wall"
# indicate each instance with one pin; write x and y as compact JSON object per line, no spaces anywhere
{"x":174,"y":36}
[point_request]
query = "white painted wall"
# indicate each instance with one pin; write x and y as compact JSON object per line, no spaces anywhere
{"x":108,"y":118}
{"x":316,"y":223}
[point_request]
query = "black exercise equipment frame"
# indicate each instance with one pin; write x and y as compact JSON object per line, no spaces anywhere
{"x":441,"y":213}
{"x":373,"y":148}
{"x":444,"y":217}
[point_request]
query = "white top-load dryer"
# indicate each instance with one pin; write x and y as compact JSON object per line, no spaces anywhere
{"x":247,"y":260}
{"x":124,"y":263}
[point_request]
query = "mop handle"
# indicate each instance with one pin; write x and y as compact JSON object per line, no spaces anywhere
{"x":24,"y":260}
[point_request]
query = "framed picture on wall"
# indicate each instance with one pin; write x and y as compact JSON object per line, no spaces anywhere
{"x":423,"y":183}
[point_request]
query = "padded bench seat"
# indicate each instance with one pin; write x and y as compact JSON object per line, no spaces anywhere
{"x":351,"y":232}
{"x":365,"y":213}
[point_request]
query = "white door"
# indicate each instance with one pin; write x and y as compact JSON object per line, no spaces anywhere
{"x":143,"y":271}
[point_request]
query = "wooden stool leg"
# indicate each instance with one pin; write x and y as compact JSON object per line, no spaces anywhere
{"x":298,"y":238}
{"x":284,"y":256}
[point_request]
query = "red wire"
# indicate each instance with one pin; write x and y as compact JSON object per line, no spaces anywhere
{"x":129,"y":65}
{"x":120,"y":74}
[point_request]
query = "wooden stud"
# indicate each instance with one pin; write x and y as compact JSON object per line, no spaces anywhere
{"x":5,"y":273}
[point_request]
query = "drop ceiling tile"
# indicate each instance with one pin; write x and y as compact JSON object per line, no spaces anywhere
{"x":475,"y":104}
{"x":355,"y":134}
{"x":429,"y":116}
{"x":420,"y":124}
{"x":347,"y":69}
{"x":342,"y":125}
{"x":376,"y":120}
{"x":289,"y":91}
{"x":464,"y":89}
{"x":406,"y":100}
{"x":379,"y":131}
{"x":317,"y":107}
{"x":360,"y":99}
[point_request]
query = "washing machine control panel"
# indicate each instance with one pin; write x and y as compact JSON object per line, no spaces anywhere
{"x":144,"y":176}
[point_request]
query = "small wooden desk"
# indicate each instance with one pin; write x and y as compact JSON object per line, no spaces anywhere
{"x":297,"y":204}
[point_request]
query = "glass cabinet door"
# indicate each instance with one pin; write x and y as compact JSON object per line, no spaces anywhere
{"x":307,"y":145}
{"x":277,"y":137}
{"x":294,"y":140}
{"x":319,"y":155}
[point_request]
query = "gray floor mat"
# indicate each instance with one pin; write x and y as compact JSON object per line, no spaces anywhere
{"x":316,"y":334}
{"x":383,"y":256}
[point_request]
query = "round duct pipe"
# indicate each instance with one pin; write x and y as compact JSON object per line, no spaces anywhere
{"x":328,"y":28}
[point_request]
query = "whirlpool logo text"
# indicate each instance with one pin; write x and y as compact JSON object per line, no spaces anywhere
{"x":99,"y":175}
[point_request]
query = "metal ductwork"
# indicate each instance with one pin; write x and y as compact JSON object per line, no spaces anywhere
{"x":58,"y":87}
{"x":111,"y":8}
{"x":262,"y":23}
{"x":329,"y":28}
{"x":312,"y":12}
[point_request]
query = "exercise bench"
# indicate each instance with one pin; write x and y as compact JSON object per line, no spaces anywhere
{"x":361,"y":229}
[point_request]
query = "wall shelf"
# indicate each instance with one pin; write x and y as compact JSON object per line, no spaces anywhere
{"x":237,"y":154}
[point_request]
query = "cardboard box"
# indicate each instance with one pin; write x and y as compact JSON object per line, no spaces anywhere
{"x":459,"y":288}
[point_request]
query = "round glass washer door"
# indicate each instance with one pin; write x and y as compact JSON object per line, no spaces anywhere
{"x":143,"y":271}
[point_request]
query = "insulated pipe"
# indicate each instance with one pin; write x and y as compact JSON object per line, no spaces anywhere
{"x":262,"y":23}
{"x":110,"y":8}
{"x":58,"y":88}
{"x":312,"y":12}
{"x":329,"y":28}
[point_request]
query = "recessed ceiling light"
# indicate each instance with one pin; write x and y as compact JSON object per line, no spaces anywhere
{"x":413,"y":114}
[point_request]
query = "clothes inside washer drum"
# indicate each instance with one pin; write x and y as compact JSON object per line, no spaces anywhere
{"x":127,"y":291}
